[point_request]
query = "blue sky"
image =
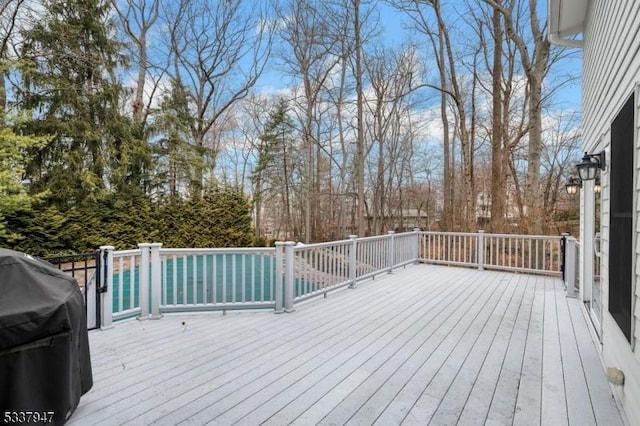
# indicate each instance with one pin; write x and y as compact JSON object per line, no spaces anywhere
{"x":395,"y":29}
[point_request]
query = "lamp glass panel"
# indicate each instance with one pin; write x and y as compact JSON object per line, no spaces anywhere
{"x":587,"y":171}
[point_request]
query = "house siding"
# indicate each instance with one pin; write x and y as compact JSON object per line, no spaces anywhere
{"x":611,"y":72}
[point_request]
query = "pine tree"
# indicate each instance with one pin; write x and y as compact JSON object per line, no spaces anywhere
{"x":71,"y":91}
{"x":13,"y":194}
{"x":176,"y":157}
{"x":272,"y":174}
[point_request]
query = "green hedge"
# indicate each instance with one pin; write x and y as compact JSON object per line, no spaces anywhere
{"x":221,"y":218}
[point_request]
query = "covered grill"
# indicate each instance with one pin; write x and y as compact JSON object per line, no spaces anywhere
{"x":44,"y":349}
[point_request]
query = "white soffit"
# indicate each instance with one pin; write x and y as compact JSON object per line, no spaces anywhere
{"x":566,"y":17}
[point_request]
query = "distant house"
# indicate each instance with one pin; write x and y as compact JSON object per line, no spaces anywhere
{"x":609,"y":34}
{"x":406,"y":220}
{"x":483,"y":208}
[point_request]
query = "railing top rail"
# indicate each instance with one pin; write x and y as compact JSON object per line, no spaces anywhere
{"x":216,"y":250}
{"x":322,"y":245}
{"x":386,"y":236}
{"x":462,"y":234}
{"x":523,"y":236}
{"x":122,"y":253}
{"x":374,"y":238}
{"x":489,"y":235}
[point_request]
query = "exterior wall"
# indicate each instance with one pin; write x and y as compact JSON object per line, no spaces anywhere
{"x":611,"y":70}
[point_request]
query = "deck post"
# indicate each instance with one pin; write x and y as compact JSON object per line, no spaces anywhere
{"x":353,"y":261}
{"x":416,"y":246}
{"x":391,"y":250}
{"x":480,"y":250}
{"x":570,"y":263}
{"x":289,"y":275}
{"x":563,"y":258}
{"x":91,"y":292}
{"x":106,"y":295}
{"x":144,"y":281}
{"x":156,"y":280}
{"x":279,"y":277}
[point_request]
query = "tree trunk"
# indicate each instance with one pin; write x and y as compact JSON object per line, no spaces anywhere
{"x":498,"y":172}
{"x":533,"y":194}
{"x":361,"y":217}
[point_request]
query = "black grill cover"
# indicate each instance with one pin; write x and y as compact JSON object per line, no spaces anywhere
{"x":44,"y":346}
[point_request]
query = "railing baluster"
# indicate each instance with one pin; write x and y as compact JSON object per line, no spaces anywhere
{"x":174,"y":280}
{"x":214,"y":278}
{"x":244,"y":285}
{"x":205,"y":284}
{"x":194,"y":281}
{"x":233,"y":279}
{"x":165,"y":290}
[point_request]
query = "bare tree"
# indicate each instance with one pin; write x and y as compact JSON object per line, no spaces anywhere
{"x":219,"y":52}
{"x":9,"y":15}
{"x":561,"y":148}
{"x":391,"y":75}
{"x":535,"y":63}
{"x":454,"y":94}
{"x":312,"y":55}
{"x":360,"y":143}
{"x":137,"y":17}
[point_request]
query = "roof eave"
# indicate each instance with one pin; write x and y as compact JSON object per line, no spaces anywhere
{"x":566,"y":20}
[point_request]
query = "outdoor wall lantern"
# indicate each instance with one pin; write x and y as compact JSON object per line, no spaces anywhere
{"x":597,"y":187}
{"x":588,"y":167}
{"x":573,"y":186}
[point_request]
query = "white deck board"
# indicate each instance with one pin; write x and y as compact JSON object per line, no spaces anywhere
{"x":554,"y":406}
{"x":479,"y":400}
{"x":424,"y":344}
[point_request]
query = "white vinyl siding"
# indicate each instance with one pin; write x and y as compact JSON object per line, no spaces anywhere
{"x":611,"y":72}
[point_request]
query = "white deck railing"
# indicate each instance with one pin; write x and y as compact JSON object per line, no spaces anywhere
{"x":518,"y":253}
{"x":152,"y":280}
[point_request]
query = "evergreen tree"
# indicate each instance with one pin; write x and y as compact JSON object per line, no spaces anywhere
{"x":175,"y":157}
{"x":13,"y":195}
{"x":71,"y":91}
{"x":272,"y":174}
{"x":221,"y":218}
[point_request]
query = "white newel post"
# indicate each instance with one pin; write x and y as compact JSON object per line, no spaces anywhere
{"x":480,"y":250}
{"x":416,"y":246}
{"x":279,"y":272}
{"x":587,"y":234}
{"x":392,"y":248}
{"x":156,"y":280}
{"x":570,"y":266}
{"x":353,"y":261}
{"x":143,"y":288}
{"x":289,"y":275}
{"x":106,"y":296}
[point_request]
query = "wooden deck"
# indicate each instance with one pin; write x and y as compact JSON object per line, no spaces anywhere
{"x":424,"y":345}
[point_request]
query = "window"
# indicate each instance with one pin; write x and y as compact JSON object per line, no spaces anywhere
{"x":621,"y":217}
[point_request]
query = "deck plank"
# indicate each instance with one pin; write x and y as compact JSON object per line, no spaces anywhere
{"x":426,"y":343}
{"x":528,"y":402}
{"x":454,"y":400}
{"x":437,"y":303}
{"x":303,"y":413}
{"x":602,"y":402}
{"x":442,"y":345}
{"x":503,"y":402}
{"x":577,"y":393}
{"x":554,"y":407}
{"x":437,"y":389}
{"x":478,"y":401}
